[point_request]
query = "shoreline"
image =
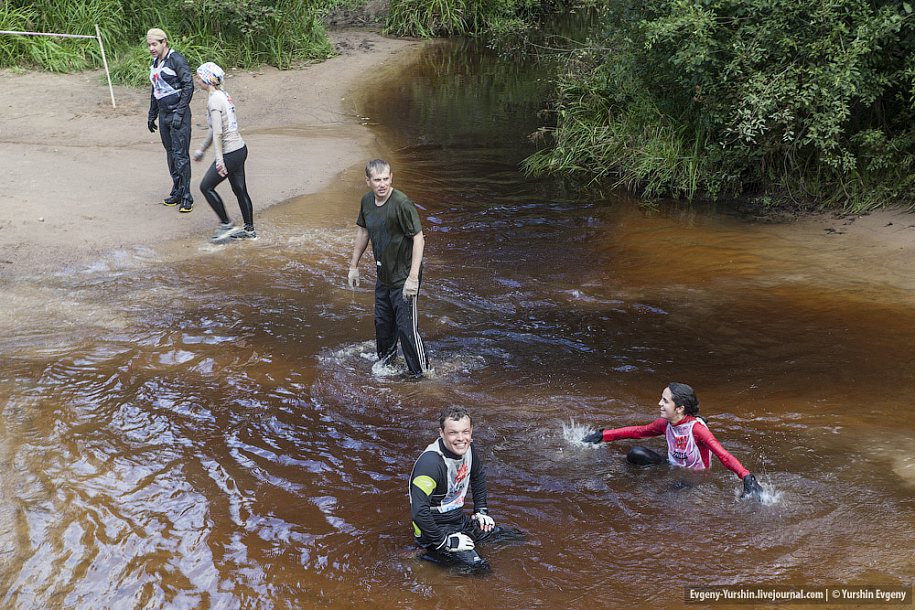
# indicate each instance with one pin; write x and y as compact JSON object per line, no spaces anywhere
{"x":83,"y":179}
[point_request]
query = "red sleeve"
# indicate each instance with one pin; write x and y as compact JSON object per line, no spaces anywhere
{"x":655,"y":428}
{"x":705,"y":437}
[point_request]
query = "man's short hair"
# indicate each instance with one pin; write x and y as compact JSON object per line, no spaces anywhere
{"x":376,"y":166}
{"x":454,"y":412}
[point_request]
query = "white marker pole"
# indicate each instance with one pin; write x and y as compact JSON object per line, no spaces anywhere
{"x":98,"y":35}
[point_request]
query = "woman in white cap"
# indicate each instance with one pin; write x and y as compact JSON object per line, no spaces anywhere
{"x":231,"y":153}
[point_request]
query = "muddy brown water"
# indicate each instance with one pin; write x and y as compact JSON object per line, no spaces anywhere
{"x":197,"y":426}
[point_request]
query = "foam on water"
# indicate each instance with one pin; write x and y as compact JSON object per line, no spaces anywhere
{"x":349,"y":357}
{"x":39,"y":305}
{"x":346,"y":353}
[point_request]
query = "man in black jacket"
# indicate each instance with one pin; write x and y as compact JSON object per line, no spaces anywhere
{"x":439,"y":483}
{"x":172,"y":89}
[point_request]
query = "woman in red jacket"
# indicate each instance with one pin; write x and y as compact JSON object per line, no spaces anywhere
{"x":689,"y":441}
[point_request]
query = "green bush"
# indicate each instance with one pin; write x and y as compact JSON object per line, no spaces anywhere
{"x":806,"y":98}
{"x":53,"y":54}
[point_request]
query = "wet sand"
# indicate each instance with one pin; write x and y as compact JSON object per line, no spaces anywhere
{"x":81,"y":179}
{"x":877,"y":247}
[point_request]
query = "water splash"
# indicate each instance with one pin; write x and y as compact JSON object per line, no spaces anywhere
{"x":385,"y":369}
{"x":573,"y":432}
{"x":769,"y":496}
{"x":346,"y":355}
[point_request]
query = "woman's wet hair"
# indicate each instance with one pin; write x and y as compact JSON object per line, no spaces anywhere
{"x":684,"y":396}
{"x":376,"y":166}
{"x":454,"y":412}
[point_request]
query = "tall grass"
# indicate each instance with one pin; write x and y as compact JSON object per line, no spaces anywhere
{"x":610,"y":129}
{"x":54,"y":54}
{"x":233,"y":33}
{"x":430,"y":18}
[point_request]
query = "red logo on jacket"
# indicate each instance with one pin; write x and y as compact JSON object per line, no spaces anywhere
{"x":460,"y":474}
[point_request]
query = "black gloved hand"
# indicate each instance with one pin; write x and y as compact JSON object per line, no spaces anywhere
{"x":151,"y":124}
{"x":176,"y":121}
{"x":594,"y":437}
{"x":751,"y":488}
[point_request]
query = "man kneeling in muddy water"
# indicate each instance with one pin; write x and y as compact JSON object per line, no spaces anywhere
{"x":438,"y":486}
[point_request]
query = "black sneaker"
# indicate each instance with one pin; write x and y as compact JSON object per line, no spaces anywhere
{"x":186,"y":206}
{"x":171,"y":201}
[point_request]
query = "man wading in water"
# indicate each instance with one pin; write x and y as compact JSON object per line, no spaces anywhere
{"x":390,"y":221}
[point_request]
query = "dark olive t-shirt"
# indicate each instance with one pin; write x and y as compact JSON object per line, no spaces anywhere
{"x":391,"y":229}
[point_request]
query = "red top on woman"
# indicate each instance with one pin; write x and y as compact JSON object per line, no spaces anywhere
{"x":697,"y":435}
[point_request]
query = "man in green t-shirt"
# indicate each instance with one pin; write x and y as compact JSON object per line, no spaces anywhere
{"x":390,"y":221}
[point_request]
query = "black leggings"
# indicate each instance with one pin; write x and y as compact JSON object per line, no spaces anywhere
{"x":643,"y":456}
{"x":235,"y":165}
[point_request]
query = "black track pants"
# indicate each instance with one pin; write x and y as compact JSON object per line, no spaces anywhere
{"x":470,"y":562}
{"x":396,"y":320}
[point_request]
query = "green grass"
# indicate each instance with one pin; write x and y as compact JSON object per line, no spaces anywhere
{"x":431,"y":18}
{"x":233,"y":33}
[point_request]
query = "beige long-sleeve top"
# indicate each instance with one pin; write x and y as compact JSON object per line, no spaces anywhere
{"x":223,"y":124}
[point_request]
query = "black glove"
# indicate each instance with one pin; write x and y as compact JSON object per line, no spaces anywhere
{"x":176,"y":121}
{"x":751,"y":488}
{"x":594,"y":437}
{"x":151,"y":123}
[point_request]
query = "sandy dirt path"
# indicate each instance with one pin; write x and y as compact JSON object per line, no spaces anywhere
{"x":81,"y":179}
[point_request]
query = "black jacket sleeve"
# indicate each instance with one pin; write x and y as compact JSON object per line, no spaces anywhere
{"x":186,"y":78}
{"x":477,"y":482}
{"x":153,"y":106}
{"x":428,"y":475}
